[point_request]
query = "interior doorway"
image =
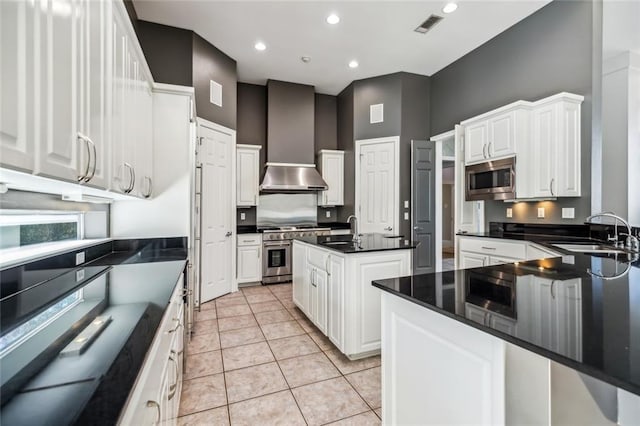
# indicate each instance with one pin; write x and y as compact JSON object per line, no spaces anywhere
{"x":448,"y":215}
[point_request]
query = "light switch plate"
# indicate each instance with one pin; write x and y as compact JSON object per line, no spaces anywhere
{"x":327,"y":213}
{"x":79,"y":258}
{"x":406,"y":204}
{"x":243,"y":216}
{"x":406,"y":215}
{"x":568,"y":213}
{"x":215,"y":93}
{"x":540,"y":212}
{"x":509,"y":212}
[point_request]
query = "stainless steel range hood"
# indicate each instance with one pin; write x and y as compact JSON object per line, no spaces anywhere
{"x":288,"y":177}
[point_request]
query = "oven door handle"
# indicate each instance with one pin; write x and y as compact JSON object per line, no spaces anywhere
{"x":277,"y":244}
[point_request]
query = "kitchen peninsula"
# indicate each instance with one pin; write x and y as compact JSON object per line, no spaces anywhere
{"x":332,"y":278}
{"x":550,"y":341}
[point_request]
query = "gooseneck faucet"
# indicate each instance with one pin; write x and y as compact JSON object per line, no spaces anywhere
{"x":356,"y":235}
{"x":632,"y":242}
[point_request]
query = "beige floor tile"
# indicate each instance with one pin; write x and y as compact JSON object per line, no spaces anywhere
{"x":260,"y":298}
{"x":202,"y":394}
{"x":233,"y":310}
{"x":365,"y":419}
{"x":321,"y":340}
{"x":234,"y":301}
{"x":234,"y":323}
{"x":346,"y":366}
{"x":303,"y":370}
{"x":208,"y":305}
{"x":289,"y":304}
{"x":296,"y":313}
{"x":246,"y":356}
{"x":306,"y":323}
{"x":368,"y":384}
{"x":266,"y":306}
{"x":203,"y":364}
{"x":255,"y":289}
{"x":273,"y":317}
{"x":284,"y":297}
{"x":208,"y":314}
{"x":275,"y":409}
{"x":218,"y":417}
{"x":203,"y":343}
{"x":279,"y":288}
{"x":378,"y":412}
{"x":281,"y":329}
{"x":205,"y":327}
{"x":290,"y":347}
{"x":242,"y":336}
{"x":328,"y":401}
{"x":254,"y":381}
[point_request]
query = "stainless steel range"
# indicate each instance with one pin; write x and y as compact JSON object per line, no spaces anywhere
{"x":276,"y":251}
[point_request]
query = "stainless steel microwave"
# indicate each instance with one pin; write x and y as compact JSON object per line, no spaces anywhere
{"x":493,"y":180}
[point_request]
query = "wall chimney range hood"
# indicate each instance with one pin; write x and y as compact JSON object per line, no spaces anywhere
{"x":289,"y":177}
{"x":290,"y":139}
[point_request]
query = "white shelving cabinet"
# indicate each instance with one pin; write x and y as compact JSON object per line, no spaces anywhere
{"x":248,"y":175}
{"x":249,"y":258}
{"x":331,"y":167}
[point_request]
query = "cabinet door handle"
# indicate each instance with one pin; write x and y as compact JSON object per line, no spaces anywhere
{"x":174,"y":387}
{"x":95,"y":159}
{"x":152,"y":403}
{"x":174,"y":329}
{"x":129,"y":187}
{"x":83,"y":176}
{"x":551,"y":186}
{"x":150,"y":187}
{"x":553,"y":296}
{"x":326,"y":265}
{"x":484,"y":150}
{"x":488,"y":248}
{"x":486,"y":318}
{"x":489,"y":150}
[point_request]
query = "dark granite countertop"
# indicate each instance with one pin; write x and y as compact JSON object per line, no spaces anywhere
{"x":560,"y":308}
{"x":367,"y":243}
{"x":253,"y":229}
{"x":132,"y":282}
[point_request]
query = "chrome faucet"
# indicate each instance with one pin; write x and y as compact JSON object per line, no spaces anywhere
{"x":632,"y":242}
{"x":356,"y":235}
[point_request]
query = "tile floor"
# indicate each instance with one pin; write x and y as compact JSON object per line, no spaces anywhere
{"x":255,"y":359}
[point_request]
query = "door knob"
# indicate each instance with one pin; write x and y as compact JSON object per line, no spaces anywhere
{"x":417,"y":228}
{"x":388,"y":228}
{"x":228,"y":234}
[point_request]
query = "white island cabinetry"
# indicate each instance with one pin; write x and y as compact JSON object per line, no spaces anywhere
{"x":333,"y":289}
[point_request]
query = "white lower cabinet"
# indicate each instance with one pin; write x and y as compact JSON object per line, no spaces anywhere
{"x":334,"y":291}
{"x":249,"y":258}
{"x":490,"y":319}
{"x":155,"y":397}
{"x":476,"y":252}
{"x":472,"y":260}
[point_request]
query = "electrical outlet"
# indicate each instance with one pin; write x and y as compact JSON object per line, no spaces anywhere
{"x":327,"y":213}
{"x":79,"y":258}
{"x":406,"y":204}
{"x":568,"y":213}
{"x":243,"y":216}
{"x":406,"y":215}
{"x":540,"y":212}
{"x":509,"y":212}
{"x":80,"y":275}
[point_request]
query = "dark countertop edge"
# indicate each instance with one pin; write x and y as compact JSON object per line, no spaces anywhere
{"x":546,"y":241}
{"x":520,"y":343}
{"x":253,"y":229}
{"x":412,"y":246}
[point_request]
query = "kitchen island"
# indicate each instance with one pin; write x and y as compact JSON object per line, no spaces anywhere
{"x":551,"y":341}
{"x":332,"y":278}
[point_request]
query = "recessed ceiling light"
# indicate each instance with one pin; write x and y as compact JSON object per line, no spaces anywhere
{"x":333,"y":19}
{"x":450,"y":7}
{"x":260,"y":46}
{"x":353,"y":64}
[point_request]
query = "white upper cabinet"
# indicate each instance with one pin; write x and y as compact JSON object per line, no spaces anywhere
{"x":495,"y":135}
{"x":331,"y":167}
{"x":17,"y":96}
{"x":554,"y":152}
{"x":248,"y":175}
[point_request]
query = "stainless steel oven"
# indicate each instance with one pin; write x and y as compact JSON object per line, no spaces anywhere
{"x":276,"y":263}
{"x":494,"y":291}
{"x":493,"y":180}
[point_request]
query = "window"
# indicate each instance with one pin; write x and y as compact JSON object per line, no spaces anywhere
{"x":28,"y":228}
{"x":25,"y":331}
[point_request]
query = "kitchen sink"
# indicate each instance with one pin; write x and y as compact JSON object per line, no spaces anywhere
{"x":338,"y":243}
{"x":590,"y":248}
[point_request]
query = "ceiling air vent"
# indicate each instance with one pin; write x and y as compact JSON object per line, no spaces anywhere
{"x":428,"y":24}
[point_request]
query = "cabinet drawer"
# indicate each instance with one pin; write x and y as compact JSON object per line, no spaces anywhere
{"x":514,"y":250}
{"x":249,"y":240}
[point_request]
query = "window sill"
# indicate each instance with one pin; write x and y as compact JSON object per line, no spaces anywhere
{"x":16,"y":256}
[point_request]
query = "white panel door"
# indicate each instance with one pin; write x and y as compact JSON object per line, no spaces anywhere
{"x":247,"y":175}
{"x":249,"y":263}
{"x":319,"y":299}
{"x":17,"y":120}
{"x":216,"y":262}
{"x":377,"y":187}
{"x":568,"y":171}
{"x":502,"y":136}
{"x":475,"y":148}
{"x":544,"y":150}
{"x":335,"y":301}
{"x":59,"y":145}
{"x":301,"y":277}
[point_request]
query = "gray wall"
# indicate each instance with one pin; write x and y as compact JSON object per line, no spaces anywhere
{"x":210,"y":63}
{"x":290,"y":115}
{"x":548,"y":52}
{"x":346,"y":143}
{"x":326,"y":122}
{"x":168,"y":51}
{"x":252,"y":118}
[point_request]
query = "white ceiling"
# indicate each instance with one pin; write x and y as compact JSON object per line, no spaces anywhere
{"x":379,"y":35}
